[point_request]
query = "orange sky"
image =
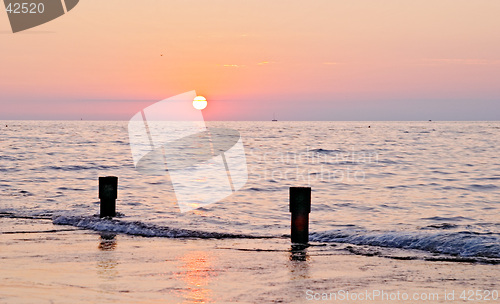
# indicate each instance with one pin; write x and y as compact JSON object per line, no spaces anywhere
{"x":323,"y":60}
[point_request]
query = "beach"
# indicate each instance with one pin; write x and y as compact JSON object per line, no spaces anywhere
{"x":64,"y":265}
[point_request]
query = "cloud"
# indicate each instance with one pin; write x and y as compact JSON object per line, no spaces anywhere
{"x":460,"y":61}
{"x":232,"y":65}
{"x":114,"y":100}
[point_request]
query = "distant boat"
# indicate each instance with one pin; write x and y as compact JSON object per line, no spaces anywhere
{"x":274,"y":117}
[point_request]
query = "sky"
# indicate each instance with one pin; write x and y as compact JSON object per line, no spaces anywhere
{"x":302,"y":60}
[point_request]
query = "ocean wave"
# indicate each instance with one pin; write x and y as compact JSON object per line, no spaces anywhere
{"x":267,"y":189}
{"x":140,"y":228}
{"x":77,"y":167}
{"x":326,"y":151}
{"x":448,"y":219}
{"x":441,"y":226}
{"x":483,"y":187}
{"x":462,"y":244}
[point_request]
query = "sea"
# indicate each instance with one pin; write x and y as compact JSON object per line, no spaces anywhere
{"x":416,"y":190}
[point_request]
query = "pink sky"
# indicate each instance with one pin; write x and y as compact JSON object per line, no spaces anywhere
{"x":323,"y":60}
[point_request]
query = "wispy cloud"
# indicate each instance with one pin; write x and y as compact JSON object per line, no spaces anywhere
{"x":330,"y":63}
{"x":232,"y":65}
{"x":114,"y":100}
{"x":243,"y":65}
{"x":460,"y":61}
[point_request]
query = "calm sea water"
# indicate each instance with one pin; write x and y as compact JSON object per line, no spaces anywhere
{"x":419,"y":186}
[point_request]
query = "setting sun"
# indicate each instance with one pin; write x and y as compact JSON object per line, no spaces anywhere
{"x":199,"y":103}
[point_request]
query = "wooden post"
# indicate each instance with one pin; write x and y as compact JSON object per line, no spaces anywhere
{"x":300,"y":207}
{"x":108,"y":192}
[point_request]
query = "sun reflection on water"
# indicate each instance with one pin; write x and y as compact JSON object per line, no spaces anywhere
{"x":197,"y":273}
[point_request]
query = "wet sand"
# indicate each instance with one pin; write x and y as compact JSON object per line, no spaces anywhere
{"x":46,"y":263}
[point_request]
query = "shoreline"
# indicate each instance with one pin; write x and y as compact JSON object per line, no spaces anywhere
{"x":87,"y":266}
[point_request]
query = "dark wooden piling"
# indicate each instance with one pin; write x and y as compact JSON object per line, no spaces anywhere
{"x":108,"y":192}
{"x":300,"y":207}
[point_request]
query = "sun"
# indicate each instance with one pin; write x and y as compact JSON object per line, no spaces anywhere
{"x":199,"y":103}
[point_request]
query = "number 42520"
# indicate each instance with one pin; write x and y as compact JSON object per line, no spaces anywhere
{"x":25,"y":8}
{"x":479,"y":295}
